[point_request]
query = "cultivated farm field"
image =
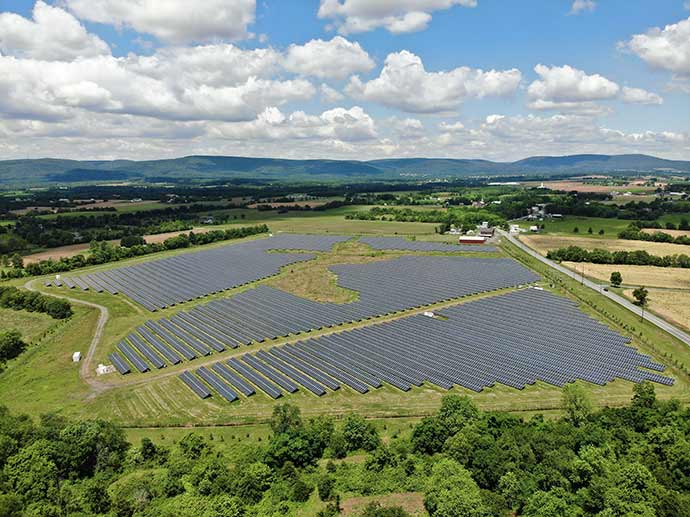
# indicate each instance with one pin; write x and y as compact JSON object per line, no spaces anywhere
{"x":672,"y":305}
{"x":544,"y":243}
{"x":649,"y":276}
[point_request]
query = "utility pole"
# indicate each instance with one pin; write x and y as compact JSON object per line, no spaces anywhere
{"x":583,"y":273}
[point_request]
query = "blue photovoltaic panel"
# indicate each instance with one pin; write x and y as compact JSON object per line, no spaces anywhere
{"x":165,"y":282}
{"x":398,"y":243}
{"x":146,"y":351}
{"x":270,"y":373}
{"x":532,"y":336}
{"x":195,"y":385}
{"x":292,"y":372}
{"x":384,"y":287}
{"x":217,"y":384}
{"x":119,"y":363}
{"x":233,"y":379}
{"x":267,"y":387}
{"x":132,"y":357}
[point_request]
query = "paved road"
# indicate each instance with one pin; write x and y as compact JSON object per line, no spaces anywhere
{"x":662,"y":324}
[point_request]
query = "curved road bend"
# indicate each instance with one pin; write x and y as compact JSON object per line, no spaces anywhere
{"x":662,"y":324}
{"x":85,"y":370}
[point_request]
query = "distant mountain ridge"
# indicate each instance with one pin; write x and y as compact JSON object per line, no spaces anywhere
{"x":56,"y":171}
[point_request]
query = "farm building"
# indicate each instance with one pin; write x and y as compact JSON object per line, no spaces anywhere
{"x":471,"y":239}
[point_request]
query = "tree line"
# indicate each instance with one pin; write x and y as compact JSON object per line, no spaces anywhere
{"x":33,"y":301}
{"x":634,"y":232}
{"x":633,"y":460}
{"x":134,"y":246}
{"x":633,"y":258}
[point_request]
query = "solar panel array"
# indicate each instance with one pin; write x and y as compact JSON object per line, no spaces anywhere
{"x":165,"y":282}
{"x":267,"y":313}
{"x":514,"y":339}
{"x":398,"y":243}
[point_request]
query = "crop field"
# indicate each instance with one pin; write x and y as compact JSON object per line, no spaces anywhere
{"x":671,"y":304}
{"x":648,"y":276}
{"x":76,"y":249}
{"x":598,"y":186}
{"x":544,"y":243}
{"x":675,"y":233}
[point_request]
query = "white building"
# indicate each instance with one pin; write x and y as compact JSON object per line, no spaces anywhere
{"x":76,"y":357}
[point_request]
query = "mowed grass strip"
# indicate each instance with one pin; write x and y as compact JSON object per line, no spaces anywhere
{"x":544,"y":243}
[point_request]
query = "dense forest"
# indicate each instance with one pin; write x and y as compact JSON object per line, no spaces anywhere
{"x":628,"y":461}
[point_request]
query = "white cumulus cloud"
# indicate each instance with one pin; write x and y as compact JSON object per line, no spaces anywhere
{"x":396,"y":16}
{"x":52,"y":34}
{"x":44,"y":90}
{"x":406,"y":85}
{"x":640,"y":96}
{"x":337,"y":58}
{"x":174,"y":21}
{"x":667,"y":48}
{"x":568,"y":84}
{"x":345,"y":125}
{"x":569,"y":89}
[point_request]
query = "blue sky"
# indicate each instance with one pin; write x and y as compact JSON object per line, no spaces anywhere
{"x":344,"y":78}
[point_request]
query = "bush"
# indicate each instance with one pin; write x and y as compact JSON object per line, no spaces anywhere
{"x":132,"y":240}
{"x":11,"y":345}
{"x":301,"y":491}
{"x":325,"y":487}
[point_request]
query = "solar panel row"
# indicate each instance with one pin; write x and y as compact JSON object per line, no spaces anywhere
{"x":165,"y":282}
{"x":267,"y":313}
{"x":515,"y":339}
{"x":398,"y":243}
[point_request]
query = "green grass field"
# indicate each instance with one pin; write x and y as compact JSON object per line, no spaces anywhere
{"x":157,"y":403}
{"x":567,"y":224}
{"x":31,"y":324}
{"x":674,"y":218}
{"x":611,"y":227}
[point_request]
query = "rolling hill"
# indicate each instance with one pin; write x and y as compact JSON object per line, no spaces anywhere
{"x":204,"y":168}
